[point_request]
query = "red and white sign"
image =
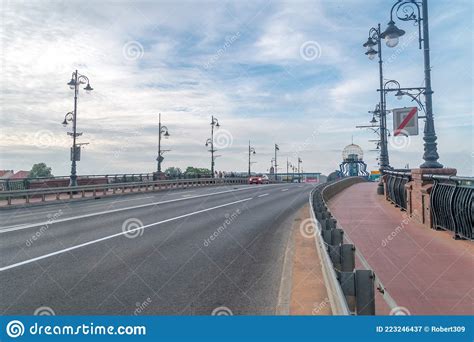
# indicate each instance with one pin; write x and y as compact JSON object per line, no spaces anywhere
{"x":405,"y":121}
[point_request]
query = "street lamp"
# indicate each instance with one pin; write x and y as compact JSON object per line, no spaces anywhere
{"x":251,"y":151}
{"x":162,"y":130}
{"x":417,"y":11}
{"x":374,"y":39}
{"x":75,"y":82}
{"x":299,"y":174}
{"x":210,"y":142}
{"x":277,"y":148}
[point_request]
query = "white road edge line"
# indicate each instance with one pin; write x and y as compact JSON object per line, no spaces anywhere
{"x":49,"y":223}
{"x":118,"y":234}
{"x":262,"y":195}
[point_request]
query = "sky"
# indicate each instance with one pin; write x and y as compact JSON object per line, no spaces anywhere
{"x":292,"y":73}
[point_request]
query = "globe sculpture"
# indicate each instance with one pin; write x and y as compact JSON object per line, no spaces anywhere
{"x":352,"y":162}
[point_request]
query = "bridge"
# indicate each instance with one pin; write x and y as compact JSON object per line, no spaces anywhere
{"x":192,"y":246}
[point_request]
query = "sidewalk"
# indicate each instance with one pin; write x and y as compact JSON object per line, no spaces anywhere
{"x":425,"y":271}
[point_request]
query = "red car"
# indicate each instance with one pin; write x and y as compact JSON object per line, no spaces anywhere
{"x":259,"y":179}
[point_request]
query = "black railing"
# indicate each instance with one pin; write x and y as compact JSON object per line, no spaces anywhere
{"x":47,"y":182}
{"x":396,"y":192}
{"x":452,"y":207}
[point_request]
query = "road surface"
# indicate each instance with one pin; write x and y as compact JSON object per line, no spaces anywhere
{"x":197,"y":251}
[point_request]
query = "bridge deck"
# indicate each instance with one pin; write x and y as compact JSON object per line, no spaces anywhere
{"x":425,"y":271}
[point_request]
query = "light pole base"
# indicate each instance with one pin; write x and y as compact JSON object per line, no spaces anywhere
{"x":380,"y":189}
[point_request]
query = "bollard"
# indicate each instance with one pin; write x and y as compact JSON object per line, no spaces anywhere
{"x":347,"y":282}
{"x":331,"y":223}
{"x":335,"y":256}
{"x":326,"y":236}
{"x":337,"y":236}
{"x":347,"y":257}
{"x":364,"y":292}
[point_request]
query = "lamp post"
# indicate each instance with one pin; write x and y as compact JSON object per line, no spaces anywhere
{"x":277,"y":148}
{"x":76,"y":80}
{"x":210,"y":142}
{"x":373,"y":40}
{"x":417,"y":11}
{"x":162,"y":130}
{"x":299,"y":174}
{"x":251,"y":151}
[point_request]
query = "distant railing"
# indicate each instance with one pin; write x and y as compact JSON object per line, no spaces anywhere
{"x":395,"y":189}
{"x":452,"y":207}
{"x":100,"y":190}
{"x":63,"y":181}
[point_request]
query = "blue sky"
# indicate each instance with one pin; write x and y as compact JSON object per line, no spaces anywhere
{"x":243,"y":61}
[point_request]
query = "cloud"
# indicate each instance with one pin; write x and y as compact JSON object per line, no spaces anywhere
{"x":190,"y":67}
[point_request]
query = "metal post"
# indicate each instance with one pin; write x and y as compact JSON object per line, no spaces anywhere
{"x":287,"y":173}
{"x":73,"y":177}
{"x":430,"y":155}
{"x":249,"y":157}
{"x":383,"y":159}
{"x":212,"y":147}
{"x":159,"y":145}
{"x":276,"y":165}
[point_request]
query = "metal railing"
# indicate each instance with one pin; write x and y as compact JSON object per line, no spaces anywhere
{"x":349,"y":290}
{"x":452,"y":207}
{"x":395,"y":187}
{"x":99,"y":190}
{"x":10,"y":184}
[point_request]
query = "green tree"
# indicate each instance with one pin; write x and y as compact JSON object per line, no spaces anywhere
{"x":40,"y":170}
{"x":173,"y":171}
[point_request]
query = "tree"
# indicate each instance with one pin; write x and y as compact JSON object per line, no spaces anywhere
{"x":40,"y":170}
{"x":196,"y":171}
{"x":173,"y":171}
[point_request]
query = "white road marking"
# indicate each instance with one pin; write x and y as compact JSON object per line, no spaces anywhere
{"x":67,"y":219}
{"x":118,"y":234}
{"x":284,"y":190}
{"x":131,"y":199}
{"x":262,"y":195}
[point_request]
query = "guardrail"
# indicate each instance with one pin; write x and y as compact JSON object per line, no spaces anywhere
{"x":452,"y":207}
{"x":95,"y":191}
{"x":10,"y":184}
{"x":395,"y":187}
{"x":349,"y":290}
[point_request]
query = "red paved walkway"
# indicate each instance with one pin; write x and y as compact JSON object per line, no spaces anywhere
{"x":425,"y":271}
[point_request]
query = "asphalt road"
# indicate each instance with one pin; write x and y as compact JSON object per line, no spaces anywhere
{"x":191,"y":251}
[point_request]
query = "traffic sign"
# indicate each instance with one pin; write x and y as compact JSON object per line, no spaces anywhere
{"x":405,"y":121}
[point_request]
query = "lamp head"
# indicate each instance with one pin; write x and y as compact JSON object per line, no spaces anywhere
{"x":72,"y":83}
{"x":371,"y":53}
{"x":392,"y":34}
{"x":88,"y":88}
{"x":369,"y":43}
{"x":399,"y":94}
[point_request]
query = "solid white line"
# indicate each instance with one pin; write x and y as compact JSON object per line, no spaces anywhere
{"x":263,"y":195}
{"x":131,"y":199}
{"x":49,"y":223}
{"x":115,"y":235}
{"x":284,"y":190}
